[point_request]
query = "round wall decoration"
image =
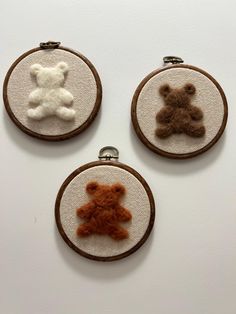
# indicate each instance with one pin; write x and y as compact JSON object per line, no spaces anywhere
{"x":52,"y":92}
{"x":105,"y":210}
{"x":179,"y":111}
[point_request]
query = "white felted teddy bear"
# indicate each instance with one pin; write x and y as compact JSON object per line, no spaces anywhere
{"x":50,"y":98}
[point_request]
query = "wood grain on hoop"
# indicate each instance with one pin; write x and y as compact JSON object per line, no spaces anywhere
{"x":64,"y":136}
{"x":97,"y":164}
{"x":154,"y":148}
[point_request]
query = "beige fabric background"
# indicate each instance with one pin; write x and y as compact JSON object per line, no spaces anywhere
{"x":207,"y":98}
{"x":136,"y":200}
{"x":80,"y":82}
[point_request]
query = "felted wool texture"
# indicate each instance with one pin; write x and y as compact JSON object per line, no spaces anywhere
{"x":49,"y":97}
{"x":207,"y":98}
{"x":135,"y":200}
{"x":179,"y":115}
{"x":80,"y":82}
{"x":103,"y":214}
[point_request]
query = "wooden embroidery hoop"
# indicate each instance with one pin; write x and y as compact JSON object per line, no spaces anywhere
{"x":176,"y":64}
{"x":107,"y":161}
{"x":81,"y":128}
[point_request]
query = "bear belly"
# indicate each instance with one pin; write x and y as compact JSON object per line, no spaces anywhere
{"x":180,"y":121}
{"x":103,"y":219}
{"x":51,"y":100}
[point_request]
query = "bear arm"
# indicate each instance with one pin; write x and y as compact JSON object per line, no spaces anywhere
{"x":165,"y":114}
{"x":36,"y":96}
{"x":66,"y":96}
{"x":123,"y":214}
{"x":86,"y":210}
{"x":195,"y":113}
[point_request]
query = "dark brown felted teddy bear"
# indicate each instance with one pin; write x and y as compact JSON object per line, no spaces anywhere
{"x":104,"y":213}
{"x":178,"y":115}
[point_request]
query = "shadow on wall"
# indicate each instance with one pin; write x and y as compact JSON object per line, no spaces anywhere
{"x":172,"y":166}
{"x":47,"y":149}
{"x":102,"y":270}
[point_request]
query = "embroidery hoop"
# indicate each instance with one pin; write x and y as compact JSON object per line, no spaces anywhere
{"x":107,"y":156}
{"x":175,"y":65}
{"x":53,"y":45}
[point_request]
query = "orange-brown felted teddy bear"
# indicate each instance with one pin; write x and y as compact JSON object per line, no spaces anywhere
{"x":103,"y":213}
{"x":178,"y":115}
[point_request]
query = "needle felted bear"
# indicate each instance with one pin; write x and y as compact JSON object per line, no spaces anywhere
{"x":178,"y":115}
{"x":50,"y":98}
{"x":103,"y":213}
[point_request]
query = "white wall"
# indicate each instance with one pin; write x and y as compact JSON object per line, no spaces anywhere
{"x":188,"y":264}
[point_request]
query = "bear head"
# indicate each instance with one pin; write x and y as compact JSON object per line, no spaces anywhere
{"x":46,"y":77}
{"x":105,"y":195}
{"x":178,"y":97}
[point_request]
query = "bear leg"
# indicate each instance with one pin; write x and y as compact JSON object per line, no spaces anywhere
{"x":65,"y":113}
{"x":118,"y":233}
{"x":85,"y":230}
{"x":195,"y":130}
{"x":164,"y":131}
{"x":37,"y":113}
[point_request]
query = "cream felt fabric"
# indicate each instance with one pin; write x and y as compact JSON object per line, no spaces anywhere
{"x":50,"y":97}
{"x":135,"y":200}
{"x":207,"y":98}
{"x":80,"y":82}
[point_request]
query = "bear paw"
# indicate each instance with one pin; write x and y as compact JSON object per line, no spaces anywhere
{"x":119,"y":233}
{"x":36,"y":114}
{"x":84,"y":230}
{"x":164,"y":132}
{"x":65,"y":113}
{"x":196,"y":130}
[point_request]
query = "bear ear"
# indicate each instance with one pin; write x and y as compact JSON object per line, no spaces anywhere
{"x":118,"y":188}
{"x":35,"y":68}
{"x":190,"y":89}
{"x":164,"y":90}
{"x":62,"y":66}
{"x":92,"y":187}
